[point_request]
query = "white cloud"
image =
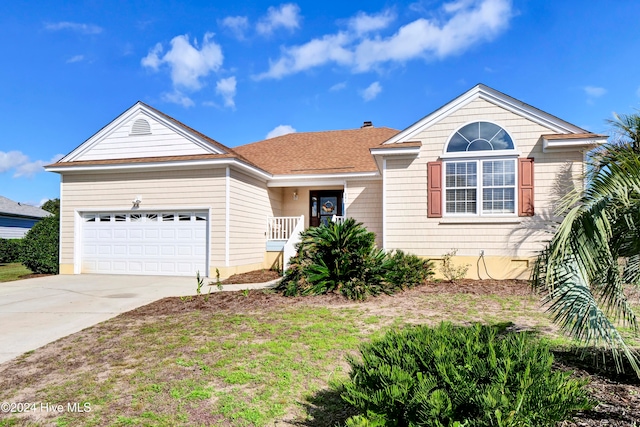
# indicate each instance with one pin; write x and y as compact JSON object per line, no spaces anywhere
{"x":286,"y":16}
{"x":77,"y":58}
{"x":372,"y":91}
{"x":11,"y":159}
{"x":236,"y":24}
{"x":177,"y":97}
{"x":470,"y":23}
{"x":464,"y":23}
{"x":312,"y":54}
{"x":594,"y":91}
{"x":363,"y":23}
{"x":280,"y":130}
{"x":227,"y":89}
{"x":188,"y":63}
{"x":74,"y":26}
{"x":20,"y":163}
{"x":338,"y":86}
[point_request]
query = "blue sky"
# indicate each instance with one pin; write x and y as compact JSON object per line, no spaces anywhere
{"x":240,"y":71}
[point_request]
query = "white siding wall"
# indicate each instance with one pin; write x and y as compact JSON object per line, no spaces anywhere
{"x":167,"y":189}
{"x":249,"y":208}
{"x":364,"y":204}
{"x":162,"y":141}
{"x":406,"y":190}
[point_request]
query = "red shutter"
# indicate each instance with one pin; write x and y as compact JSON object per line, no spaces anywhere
{"x":434,"y":189}
{"x":525,"y":187}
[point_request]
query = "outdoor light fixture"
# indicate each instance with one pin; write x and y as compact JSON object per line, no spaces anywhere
{"x":295,"y":194}
{"x":136,"y":202}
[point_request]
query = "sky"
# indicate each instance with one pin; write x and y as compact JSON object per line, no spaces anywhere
{"x":242,"y":71}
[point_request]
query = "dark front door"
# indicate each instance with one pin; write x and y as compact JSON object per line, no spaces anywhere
{"x":323,"y":205}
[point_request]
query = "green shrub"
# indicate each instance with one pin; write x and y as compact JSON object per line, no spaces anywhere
{"x":40,"y":246}
{"x":10,"y":250}
{"x":449,"y":375}
{"x":407,"y":270}
{"x":342,"y":257}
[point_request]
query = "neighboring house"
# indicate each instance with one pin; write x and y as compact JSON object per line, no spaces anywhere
{"x":17,"y":219}
{"x":149,"y":195}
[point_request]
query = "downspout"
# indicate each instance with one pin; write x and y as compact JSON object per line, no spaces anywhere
{"x":227,"y":214}
{"x":384,"y":203}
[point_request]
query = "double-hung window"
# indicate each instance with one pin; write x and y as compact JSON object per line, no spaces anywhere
{"x":480,"y":187}
{"x":479,"y":172}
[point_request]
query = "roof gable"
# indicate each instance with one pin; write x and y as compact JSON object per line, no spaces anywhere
{"x":142,"y":131}
{"x":553,"y":123}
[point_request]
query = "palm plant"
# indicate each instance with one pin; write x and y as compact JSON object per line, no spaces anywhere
{"x":595,"y":252}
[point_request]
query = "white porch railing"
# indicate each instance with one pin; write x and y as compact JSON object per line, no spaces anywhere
{"x":338,"y":219}
{"x":282,"y":227}
{"x":290,"y":247}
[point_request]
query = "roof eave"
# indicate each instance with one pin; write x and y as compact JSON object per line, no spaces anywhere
{"x":158,"y":165}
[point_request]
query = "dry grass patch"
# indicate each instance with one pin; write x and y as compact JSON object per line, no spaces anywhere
{"x":238,"y":359}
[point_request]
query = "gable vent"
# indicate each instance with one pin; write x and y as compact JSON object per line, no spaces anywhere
{"x":140,"y":127}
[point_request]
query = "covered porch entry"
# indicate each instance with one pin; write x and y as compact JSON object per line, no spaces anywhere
{"x":302,"y":207}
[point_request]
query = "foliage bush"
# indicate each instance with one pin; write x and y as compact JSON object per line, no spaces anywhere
{"x":10,"y":250}
{"x":342,"y":257}
{"x":466,"y":376}
{"x":450,"y":271}
{"x":40,"y":246}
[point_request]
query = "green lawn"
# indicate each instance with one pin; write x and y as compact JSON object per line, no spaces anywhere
{"x":13,"y":271}
{"x":238,"y":359}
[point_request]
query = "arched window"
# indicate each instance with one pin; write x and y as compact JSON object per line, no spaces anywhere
{"x":480,"y":136}
{"x":480,"y":171}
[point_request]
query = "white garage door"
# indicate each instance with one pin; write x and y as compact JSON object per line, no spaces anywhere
{"x":151,"y":243}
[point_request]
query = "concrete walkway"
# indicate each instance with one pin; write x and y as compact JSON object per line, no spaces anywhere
{"x":35,"y":312}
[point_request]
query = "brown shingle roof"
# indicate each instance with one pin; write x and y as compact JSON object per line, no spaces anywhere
{"x":339,"y":151}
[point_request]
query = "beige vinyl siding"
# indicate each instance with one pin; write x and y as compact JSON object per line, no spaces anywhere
{"x":179,"y":189}
{"x":250,"y":206}
{"x":407,"y":225}
{"x":162,"y":141}
{"x":276,"y":196}
{"x":364,"y":204}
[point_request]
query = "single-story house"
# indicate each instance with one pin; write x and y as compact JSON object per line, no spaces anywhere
{"x":149,"y":195}
{"x":17,"y":219}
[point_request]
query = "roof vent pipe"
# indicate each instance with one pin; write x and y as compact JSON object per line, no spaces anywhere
{"x":367,"y":125}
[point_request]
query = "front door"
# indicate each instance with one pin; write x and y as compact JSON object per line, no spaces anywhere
{"x":323,"y":205}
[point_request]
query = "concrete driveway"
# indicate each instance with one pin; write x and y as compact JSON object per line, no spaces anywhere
{"x":34,"y":312}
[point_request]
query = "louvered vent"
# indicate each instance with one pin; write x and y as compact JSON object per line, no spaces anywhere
{"x":140,"y":127}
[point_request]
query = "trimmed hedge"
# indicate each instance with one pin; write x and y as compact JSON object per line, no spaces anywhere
{"x":465,"y":376}
{"x":10,"y":250}
{"x":40,"y":246}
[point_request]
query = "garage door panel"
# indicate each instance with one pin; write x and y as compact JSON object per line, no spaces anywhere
{"x":168,"y":233}
{"x":119,"y":249}
{"x":105,"y":233}
{"x":168,"y":250}
{"x":144,"y":243}
{"x":152,"y":233}
{"x":185,"y":250}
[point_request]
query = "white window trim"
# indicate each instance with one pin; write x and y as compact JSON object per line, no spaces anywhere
{"x":479,"y":187}
{"x":476,"y":153}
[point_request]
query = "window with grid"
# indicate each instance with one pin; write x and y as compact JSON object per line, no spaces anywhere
{"x":493,"y":194}
{"x":482,"y":178}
